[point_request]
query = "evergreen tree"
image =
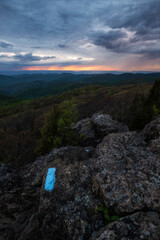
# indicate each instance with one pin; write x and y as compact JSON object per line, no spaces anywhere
{"x":57,"y":130}
{"x":145,"y":109}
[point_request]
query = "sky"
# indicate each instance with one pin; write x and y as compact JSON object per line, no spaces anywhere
{"x":74,"y":35}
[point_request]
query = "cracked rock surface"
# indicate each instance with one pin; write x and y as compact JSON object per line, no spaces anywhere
{"x":122,"y":172}
{"x":94,"y":129}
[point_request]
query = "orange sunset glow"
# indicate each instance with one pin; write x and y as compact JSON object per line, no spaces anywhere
{"x":70,"y":68}
{"x":156,"y":67}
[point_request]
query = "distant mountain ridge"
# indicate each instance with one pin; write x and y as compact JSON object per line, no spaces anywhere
{"x":29,"y":86}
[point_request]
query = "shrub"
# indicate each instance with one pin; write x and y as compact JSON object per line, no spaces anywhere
{"x":57,"y":129}
{"x":108,"y":214}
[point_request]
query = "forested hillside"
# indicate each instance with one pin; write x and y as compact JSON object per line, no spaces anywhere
{"x":146,"y":108}
{"x":24,"y":125}
{"x":38,"y":85}
{"x":31,"y":127}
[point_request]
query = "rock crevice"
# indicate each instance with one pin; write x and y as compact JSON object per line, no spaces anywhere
{"x":122,"y":172}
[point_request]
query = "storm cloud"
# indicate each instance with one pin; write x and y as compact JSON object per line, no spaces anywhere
{"x":5,"y":44}
{"x":115,"y":40}
{"x":95,"y":32}
{"x":29,"y":57}
{"x":141,"y":21}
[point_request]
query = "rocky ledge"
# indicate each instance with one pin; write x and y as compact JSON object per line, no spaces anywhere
{"x":109,"y":191}
{"x":94,"y":129}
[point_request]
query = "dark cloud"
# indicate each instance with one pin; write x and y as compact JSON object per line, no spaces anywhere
{"x":140,"y":20}
{"x":113,"y":39}
{"x":142,"y":17}
{"x":48,"y":57}
{"x":5,"y":45}
{"x":150,"y":53}
{"x":4,"y":56}
{"x":119,"y":42}
{"x":19,"y":65}
{"x":43,"y":27}
{"x":62,"y":45}
{"x":36,"y":47}
{"x":42,"y":19}
{"x":29,"y":57}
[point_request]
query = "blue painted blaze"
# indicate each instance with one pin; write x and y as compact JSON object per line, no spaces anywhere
{"x":50,"y":179}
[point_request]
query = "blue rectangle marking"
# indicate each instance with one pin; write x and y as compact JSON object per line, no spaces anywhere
{"x":50,"y":179}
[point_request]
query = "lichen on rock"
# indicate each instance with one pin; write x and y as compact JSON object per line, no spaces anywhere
{"x":122,"y":172}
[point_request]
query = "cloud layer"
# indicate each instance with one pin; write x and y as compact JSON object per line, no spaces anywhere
{"x":5,"y":45}
{"x":121,"y":35}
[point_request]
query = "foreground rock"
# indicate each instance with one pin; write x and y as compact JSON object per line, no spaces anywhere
{"x":122,"y":173}
{"x":104,"y":124}
{"x":155,"y":145}
{"x":152,"y":130}
{"x":141,"y":225}
{"x":128,"y":177}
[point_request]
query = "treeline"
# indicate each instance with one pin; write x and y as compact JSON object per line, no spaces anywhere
{"x":22,"y":141}
{"x":40,"y":85}
{"x":32,"y":128}
{"x":145,"y":108}
{"x":10,"y":105}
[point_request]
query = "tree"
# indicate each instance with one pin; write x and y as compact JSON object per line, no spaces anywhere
{"x":48,"y":131}
{"x":57,"y":129}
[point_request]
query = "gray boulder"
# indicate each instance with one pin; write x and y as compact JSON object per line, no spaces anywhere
{"x":128,"y":174}
{"x":122,"y":173}
{"x":141,"y":225}
{"x":104,"y":124}
{"x":93,"y":130}
{"x":152,"y":130}
{"x":155,"y":145}
{"x":85,"y":129}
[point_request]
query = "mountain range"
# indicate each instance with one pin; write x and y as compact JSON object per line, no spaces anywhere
{"x":28,"y":86}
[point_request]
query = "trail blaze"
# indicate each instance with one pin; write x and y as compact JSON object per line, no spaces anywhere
{"x":50,"y":179}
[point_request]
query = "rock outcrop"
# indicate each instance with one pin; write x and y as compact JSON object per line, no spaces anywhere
{"x":141,"y":225}
{"x":94,"y":129}
{"x":104,"y":124}
{"x":122,"y":173}
{"x":152,"y":130}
